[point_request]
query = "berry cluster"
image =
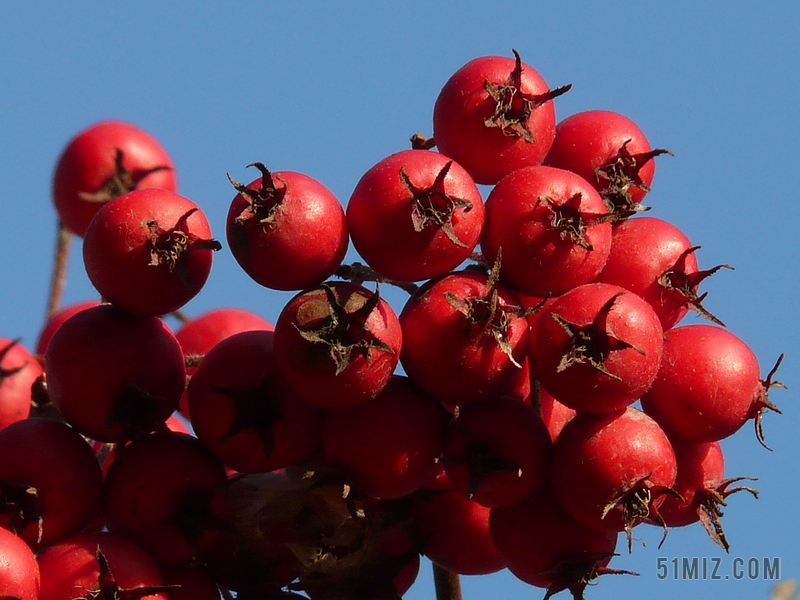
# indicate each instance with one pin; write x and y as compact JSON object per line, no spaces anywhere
{"x":492,"y":422}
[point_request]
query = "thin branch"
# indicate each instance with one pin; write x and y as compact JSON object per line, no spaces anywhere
{"x":58,"y":279}
{"x":447,"y":584}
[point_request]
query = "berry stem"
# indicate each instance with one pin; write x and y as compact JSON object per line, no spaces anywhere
{"x":447,"y":584}
{"x":358,"y":273}
{"x":58,"y":279}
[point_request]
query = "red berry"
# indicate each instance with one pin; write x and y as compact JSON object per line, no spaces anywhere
{"x":114,"y":375}
{"x":415,"y":215}
{"x":708,"y":385}
{"x":19,"y":369}
{"x":596,"y":348}
{"x":611,"y":152}
{"x":337,"y":345}
{"x":388,"y":445}
{"x":102,"y":162}
{"x":149,"y":251}
{"x":550,"y":226}
{"x":612,"y":471}
{"x":286,"y":230}
{"x":464,"y":337}
{"x":241,"y":408}
{"x":495,"y":115}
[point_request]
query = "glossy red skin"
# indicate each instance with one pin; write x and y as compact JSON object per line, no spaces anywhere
{"x":174,"y":423}
{"x":201,"y":333}
{"x":596,"y":458}
{"x":117,"y":257}
{"x":87,"y":162}
{"x":588,"y":140}
{"x":535,"y":535}
{"x":458,"y":363}
{"x":513,"y":433}
{"x":69,"y":569}
{"x":243,"y":362}
{"x":305,"y":245}
{"x":642,"y":249}
{"x":146,"y":485}
{"x":19,"y":576}
{"x":708,"y":384}
{"x":308,"y":367}
{"x":100,"y":352}
{"x":54,"y":322}
{"x":194,"y":583}
{"x":15,"y":388}
{"x":455,"y":530}
{"x":53,"y":458}
{"x":581,"y":386}
{"x":379,"y":217}
{"x":537,"y":260}
{"x":701,"y":468}
{"x":464,"y":104}
{"x":520,"y":385}
{"x":388,"y":445}
{"x":555,"y":415}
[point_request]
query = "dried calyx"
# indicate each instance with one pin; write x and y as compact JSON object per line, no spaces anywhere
{"x":263,"y":202}
{"x":486,"y":315}
{"x":763,"y":403}
{"x":169,"y":247}
{"x":574,"y":575}
{"x":121,"y":182}
{"x":136,"y":411}
{"x":256,"y":408}
{"x":622,"y":174}
{"x":21,"y":504}
{"x":570,"y":222}
{"x":344,"y":329}
{"x":433,"y":206}
{"x":677,"y":279}
{"x":513,"y":107}
{"x":709,"y":511}
{"x":109,"y":589}
{"x":637,"y":504}
{"x":592,"y":344}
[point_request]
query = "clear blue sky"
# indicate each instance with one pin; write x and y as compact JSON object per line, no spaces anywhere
{"x":331,"y":88}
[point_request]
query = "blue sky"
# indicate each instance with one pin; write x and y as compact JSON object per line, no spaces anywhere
{"x":329,"y":89}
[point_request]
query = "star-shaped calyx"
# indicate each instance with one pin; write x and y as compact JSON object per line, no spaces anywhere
{"x":637,"y":503}
{"x":109,"y":589}
{"x":622,"y":174}
{"x":137,"y":411}
{"x":433,"y":206}
{"x":575,"y":574}
{"x":709,"y":511}
{"x":676,"y":278}
{"x":513,"y":107}
{"x":344,"y":331}
{"x":484,"y":314}
{"x":569,"y":221}
{"x":170,"y":246}
{"x":263,"y":203}
{"x":21,"y":504}
{"x":121,"y":182}
{"x":256,"y":408}
{"x":763,"y":403}
{"x":593,"y":343}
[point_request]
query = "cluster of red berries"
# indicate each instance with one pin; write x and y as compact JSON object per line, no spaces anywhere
{"x":536,"y":318}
